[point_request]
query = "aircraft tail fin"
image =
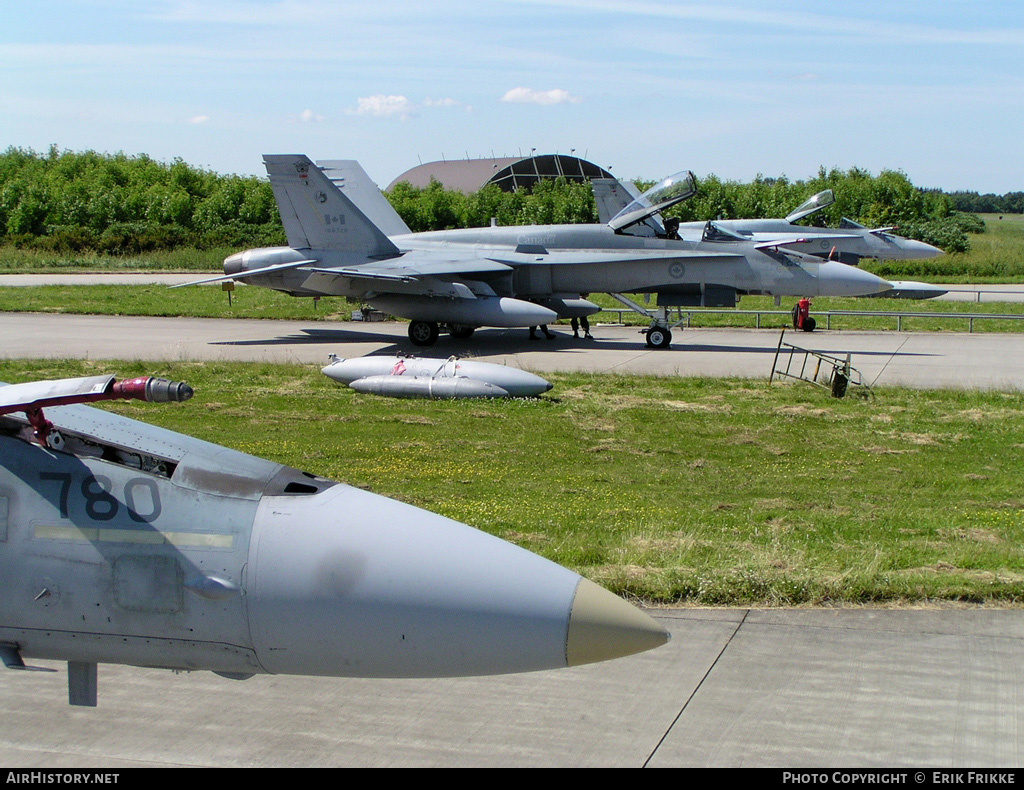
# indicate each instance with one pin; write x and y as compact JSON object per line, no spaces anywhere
{"x":348,"y":175}
{"x":315,"y":213}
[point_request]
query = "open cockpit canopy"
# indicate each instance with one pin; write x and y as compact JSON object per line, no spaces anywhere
{"x":813,"y":203}
{"x":667,"y":192}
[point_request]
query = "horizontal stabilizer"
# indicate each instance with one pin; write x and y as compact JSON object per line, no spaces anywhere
{"x":279,"y":267}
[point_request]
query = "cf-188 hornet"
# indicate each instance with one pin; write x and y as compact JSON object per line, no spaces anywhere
{"x":458,"y":280}
{"x":848,"y":243}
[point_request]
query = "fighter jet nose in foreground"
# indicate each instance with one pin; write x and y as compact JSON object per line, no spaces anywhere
{"x":177,"y":553}
{"x":839,"y":279}
{"x":407,"y":593}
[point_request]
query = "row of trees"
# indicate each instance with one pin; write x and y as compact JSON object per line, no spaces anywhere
{"x":889,"y":199}
{"x":1010,"y":203}
{"x":70,"y":202}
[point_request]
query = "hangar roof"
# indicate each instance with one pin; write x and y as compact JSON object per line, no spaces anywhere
{"x":510,"y":173}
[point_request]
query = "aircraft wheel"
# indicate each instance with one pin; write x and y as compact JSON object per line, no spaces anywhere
{"x":461,"y":331}
{"x":658,"y":337}
{"x":423,"y":333}
{"x":809,"y":324}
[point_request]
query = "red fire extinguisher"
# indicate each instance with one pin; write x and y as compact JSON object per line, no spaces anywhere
{"x":802,"y":316}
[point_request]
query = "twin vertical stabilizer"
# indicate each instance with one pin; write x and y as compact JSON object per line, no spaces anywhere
{"x":316,"y":215}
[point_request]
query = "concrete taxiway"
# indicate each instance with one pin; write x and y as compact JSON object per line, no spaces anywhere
{"x":806,"y":688}
{"x":788,"y":688}
{"x":915,"y":359}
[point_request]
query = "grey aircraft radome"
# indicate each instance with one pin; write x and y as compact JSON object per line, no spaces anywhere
{"x":848,"y":243}
{"x":125,"y":543}
{"x":349,"y":242}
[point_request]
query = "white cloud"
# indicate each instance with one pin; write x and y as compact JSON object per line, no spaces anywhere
{"x":530,"y":96}
{"x":199,"y":119}
{"x":384,"y":106}
{"x":308,"y":116}
{"x":441,"y":103}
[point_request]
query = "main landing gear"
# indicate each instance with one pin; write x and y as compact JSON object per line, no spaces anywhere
{"x":425,"y":333}
{"x":659,"y":333}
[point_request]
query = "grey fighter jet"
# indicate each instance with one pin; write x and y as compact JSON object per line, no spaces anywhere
{"x":848,"y":243}
{"x":458,"y":280}
{"x":125,"y":543}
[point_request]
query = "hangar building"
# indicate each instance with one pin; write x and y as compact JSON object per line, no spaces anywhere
{"x":509,"y":173}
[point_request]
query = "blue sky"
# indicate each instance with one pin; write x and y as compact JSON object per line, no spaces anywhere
{"x":735,"y":88}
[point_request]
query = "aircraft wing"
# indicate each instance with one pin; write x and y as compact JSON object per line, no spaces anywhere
{"x":412,"y":266}
{"x":59,"y":392}
{"x":625,"y":256}
{"x":279,"y":267}
{"x":849,"y":224}
{"x":789,"y":241}
{"x":34,"y":394}
{"x":415,"y":273}
{"x":434,"y":274}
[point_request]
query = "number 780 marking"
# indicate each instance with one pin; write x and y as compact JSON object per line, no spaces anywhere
{"x":100,"y":504}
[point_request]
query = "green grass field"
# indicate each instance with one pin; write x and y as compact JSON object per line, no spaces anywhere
{"x":186,"y":259}
{"x":997,"y":255}
{"x":669,"y":490}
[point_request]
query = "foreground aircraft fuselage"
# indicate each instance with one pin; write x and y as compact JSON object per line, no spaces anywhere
{"x":125,"y":543}
{"x":506,"y":276}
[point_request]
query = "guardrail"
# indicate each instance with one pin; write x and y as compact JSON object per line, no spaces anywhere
{"x":684,"y":316}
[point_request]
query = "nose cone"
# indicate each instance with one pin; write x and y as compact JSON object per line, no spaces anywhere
{"x":838,"y":279}
{"x":346,"y":583}
{"x":602,"y":626}
{"x":912,"y":248}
